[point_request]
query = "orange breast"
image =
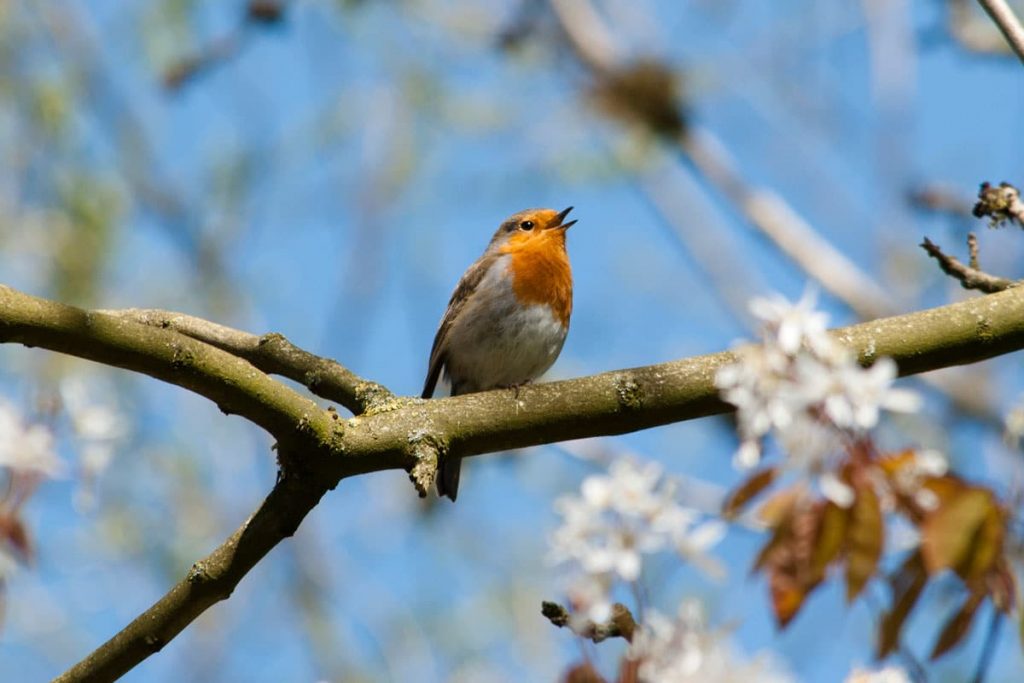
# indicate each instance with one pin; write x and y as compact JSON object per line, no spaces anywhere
{"x":541,"y":272}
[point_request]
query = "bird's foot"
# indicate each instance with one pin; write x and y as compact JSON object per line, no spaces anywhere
{"x":516,"y":387}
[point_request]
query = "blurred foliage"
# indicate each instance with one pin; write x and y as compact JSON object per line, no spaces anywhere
{"x":157,"y":154}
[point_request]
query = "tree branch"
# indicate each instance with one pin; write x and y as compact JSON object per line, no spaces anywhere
{"x":970,"y":276}
{"x":320,"y":448}
{"x":273,"y":354}
{"x":620,"y":625}
{"x":209,"y":581}
{"x":230,"y":382}
{"x":1007,"y":22}
{"x":643,"y":91}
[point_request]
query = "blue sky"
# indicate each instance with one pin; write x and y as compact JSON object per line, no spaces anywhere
{"x":376,"y":149}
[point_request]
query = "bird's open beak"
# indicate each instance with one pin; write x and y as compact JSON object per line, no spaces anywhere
{"x":561,"y":217}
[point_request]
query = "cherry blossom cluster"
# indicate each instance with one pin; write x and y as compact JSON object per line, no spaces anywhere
{"x":617,"y":519}
{"x":685,"y":650}
{"x":807,"y":391}
{"x":27,"y":456}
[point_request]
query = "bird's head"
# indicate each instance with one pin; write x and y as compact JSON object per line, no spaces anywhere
{"x":532,"y":228}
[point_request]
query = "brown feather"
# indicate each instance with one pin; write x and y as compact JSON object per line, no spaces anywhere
{"x":463,"y":291}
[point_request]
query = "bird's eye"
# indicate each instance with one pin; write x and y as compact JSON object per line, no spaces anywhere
{"x":526,"y":225}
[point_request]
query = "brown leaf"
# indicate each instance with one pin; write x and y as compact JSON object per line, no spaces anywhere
{"x":747,"y":491}
{"x":948,"y":534}
{"x":864,"y":539}
{"x":1002,"y":586}
{"x":831,"y":532}
{"x":893,"y":463}
{"x":583,"y":673}
{"x":629,"y":671}
{"x":907,"y":584}
{"x":779,"y":507}
{"x":764,"y":556}
{"x":16,"y":536}
{"x":986,"y":546}
{"x":957,"y":625}
{"x":944,"y":488}
{"x":787,"y":596}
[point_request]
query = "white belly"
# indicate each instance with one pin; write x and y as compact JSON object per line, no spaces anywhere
{"x":496,"y":342}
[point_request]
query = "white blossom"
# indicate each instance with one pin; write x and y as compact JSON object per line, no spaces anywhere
{"x":683,"y":650}
{"x":805,"y":389}
{"x":890,"y":674}
{"x":8,"y":563}
{"x":26,"y":448}
{"x":93,"y":415}
{"x":97,"y":423}
{"x":615,"y":521}
{"x":1013,"y":429}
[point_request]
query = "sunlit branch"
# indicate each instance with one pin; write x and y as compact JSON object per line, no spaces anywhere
{"x":273,"y":354}
{"x":318,"y":448}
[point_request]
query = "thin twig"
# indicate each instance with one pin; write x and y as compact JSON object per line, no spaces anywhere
{"x":620,"y":625}
{"x":1007,"y":22}
{"x":939,"y":199}
{"x":969,"y":276}
{"x":220,"y":50}
{"x":765,"y":210}
{"x":972,"y":249}
{"x":209,"y":581}
{"x":974,"y":32}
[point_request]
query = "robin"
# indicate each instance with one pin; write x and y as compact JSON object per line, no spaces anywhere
{"x":508,"y":317}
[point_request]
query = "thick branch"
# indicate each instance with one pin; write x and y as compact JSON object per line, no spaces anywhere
{"x":209,"y":581}
{"x":275,"y":355}
{"x":639,"y":398}
{"x":415,"y":430}
{"x":231,"y":382}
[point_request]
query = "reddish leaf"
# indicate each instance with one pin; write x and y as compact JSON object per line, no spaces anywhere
{"x":16,"y":536}
{"x":747,"y":491}
{"x":864,"y":539}
{"x":629,"y":671}
{"x":907,"y":584}
{"x":787,"y":596}
{"x":957,"y":625}
{"x":764,"y":556}
{"x":583,"y":673}
{"x":948,"y":534}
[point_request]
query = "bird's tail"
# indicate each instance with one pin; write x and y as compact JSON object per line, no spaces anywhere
{"x":448,"y":476}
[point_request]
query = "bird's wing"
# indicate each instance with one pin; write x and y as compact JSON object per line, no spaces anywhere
{"x":463,"y":291}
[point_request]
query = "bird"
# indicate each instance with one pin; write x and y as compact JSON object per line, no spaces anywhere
{"x":508,"y":317}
